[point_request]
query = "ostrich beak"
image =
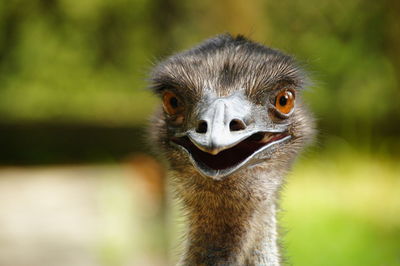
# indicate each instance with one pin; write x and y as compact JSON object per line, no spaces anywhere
{"x":222,"y":141}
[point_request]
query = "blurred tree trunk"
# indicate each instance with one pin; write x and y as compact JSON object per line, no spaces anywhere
{"x":10,"y":19}
{"x":178,"y":24}
{"x":393,"y":42}
{"x":165,"y":15}
{"x":237,"y":17}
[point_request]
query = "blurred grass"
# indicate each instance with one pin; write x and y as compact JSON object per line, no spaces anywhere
{"x":343,"y":209}
{"x":340,"y":207}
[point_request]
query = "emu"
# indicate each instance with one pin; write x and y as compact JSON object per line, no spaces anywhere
{"x":230,"y":125}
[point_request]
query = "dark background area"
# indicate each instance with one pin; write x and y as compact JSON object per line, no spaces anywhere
{"x":55,"y":143}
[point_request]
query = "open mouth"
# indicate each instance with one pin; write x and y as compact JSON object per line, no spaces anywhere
{"x":232,"y":157}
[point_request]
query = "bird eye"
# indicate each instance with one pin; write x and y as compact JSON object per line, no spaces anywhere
{"x":284,"y":101}
{"x":172,"y":105}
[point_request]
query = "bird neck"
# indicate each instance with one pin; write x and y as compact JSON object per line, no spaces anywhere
{"x":230,"y":224}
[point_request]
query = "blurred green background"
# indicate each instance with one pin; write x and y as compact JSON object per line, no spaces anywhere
{"x":73,"y":90}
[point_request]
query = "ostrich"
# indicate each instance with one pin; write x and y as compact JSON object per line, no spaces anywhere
{"x":230,"y":126}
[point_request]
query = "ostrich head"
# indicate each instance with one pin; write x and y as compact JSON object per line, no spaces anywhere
{"x":229,"y":105}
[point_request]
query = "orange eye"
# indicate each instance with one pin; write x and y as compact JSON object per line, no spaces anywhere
{"x":284,"y":101}
{"x":172,"y":105}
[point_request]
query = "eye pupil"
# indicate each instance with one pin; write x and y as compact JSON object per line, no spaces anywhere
{"x":174,"y":102}
{"x":283,"y":100}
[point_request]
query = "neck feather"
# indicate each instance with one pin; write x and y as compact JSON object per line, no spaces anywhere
{"x":231,"y":222}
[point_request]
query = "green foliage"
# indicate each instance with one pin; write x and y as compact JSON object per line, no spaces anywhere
{"x":84,"y":62}
{"x":343,"y":45}
{"x":88,"y":61}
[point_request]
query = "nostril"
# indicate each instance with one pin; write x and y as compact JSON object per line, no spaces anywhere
{"x":236,"y":125}
{"x":202,"y":127}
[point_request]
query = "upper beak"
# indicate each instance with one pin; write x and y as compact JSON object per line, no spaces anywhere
{"x":222,"y":125}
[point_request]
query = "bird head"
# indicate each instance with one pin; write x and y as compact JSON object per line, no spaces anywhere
{"x":229,"y":104}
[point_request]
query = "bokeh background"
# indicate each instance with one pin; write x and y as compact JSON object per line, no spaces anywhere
{"x":78,"y":183}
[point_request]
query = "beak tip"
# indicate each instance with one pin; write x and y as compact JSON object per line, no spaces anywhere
{"x":214,"y":151}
